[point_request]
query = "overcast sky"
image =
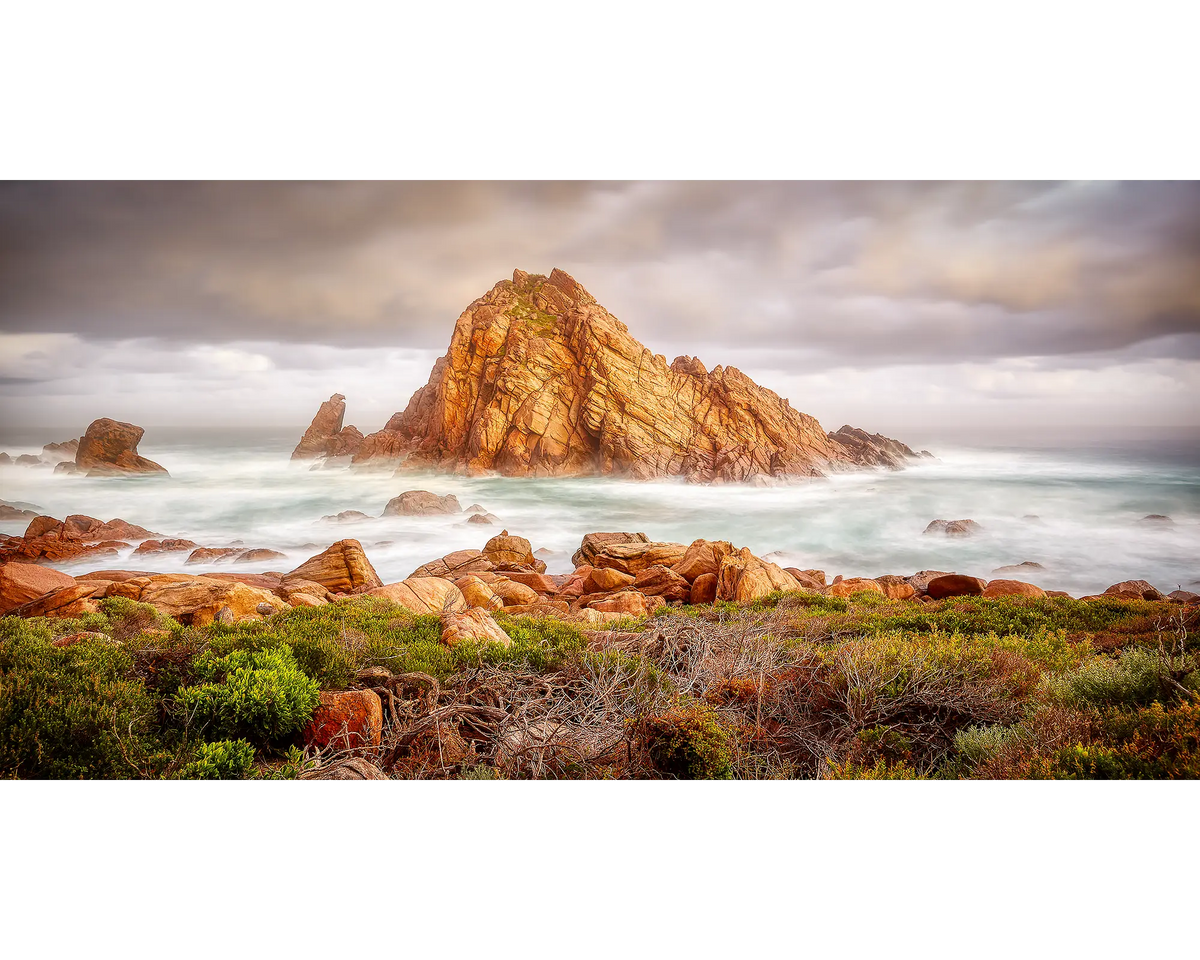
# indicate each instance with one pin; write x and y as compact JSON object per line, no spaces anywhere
{"x":913,"y":309}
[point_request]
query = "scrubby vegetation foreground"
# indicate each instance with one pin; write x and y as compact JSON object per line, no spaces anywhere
{"x":793,"y":685}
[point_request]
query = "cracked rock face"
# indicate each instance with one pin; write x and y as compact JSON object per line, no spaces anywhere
{"x":541,"y":380}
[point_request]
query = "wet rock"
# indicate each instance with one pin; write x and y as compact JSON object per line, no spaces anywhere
{"x":163,"y":546}
{"x":259,"y":556}
{"x":953,"y":528}
{"x":1024,"y":567}
{"x":1157,"y":520}
{"x":347,"y":516}
{"x":421,"y":503}
{"x":212,"y":554}
{"x":325,"y":436}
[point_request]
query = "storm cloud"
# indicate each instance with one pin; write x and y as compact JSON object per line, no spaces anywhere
{"x":246,"y":281}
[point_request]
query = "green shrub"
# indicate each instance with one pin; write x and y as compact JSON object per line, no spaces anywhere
{"x":881,"y":770}
{"x":259,"y":694}
{"x":70,"y":712}
{"x":689,"y":743}
{"x":543,"y":643}
{"x":976,"y":744}
{"x":1136,"y":678}
{"x":223,"y":760}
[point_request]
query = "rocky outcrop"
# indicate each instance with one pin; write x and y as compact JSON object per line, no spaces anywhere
{"x":325,"y":436}
{"x":541,"y":380}
{"x":474,"y":625}
{"x":21,"y":583}
{"x":422,"y":595}
{"x":109,"y":448}
{"x":49,"y":540}
{"x":197,"y":601}
{"x":1012,"y":588}
{"x":342,"y":568}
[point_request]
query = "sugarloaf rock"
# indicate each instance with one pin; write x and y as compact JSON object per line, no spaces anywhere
{"x":109,"y":448}
{"x":541,"y":380}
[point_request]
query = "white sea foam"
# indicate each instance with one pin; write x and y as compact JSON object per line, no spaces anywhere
{"x":856,"y":524}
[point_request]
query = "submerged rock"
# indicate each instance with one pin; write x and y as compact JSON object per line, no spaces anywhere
{"x":953,"y":528}
{"x":421,"y":503}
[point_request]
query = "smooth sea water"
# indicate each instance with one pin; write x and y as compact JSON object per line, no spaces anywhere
{"x":227,"y":486}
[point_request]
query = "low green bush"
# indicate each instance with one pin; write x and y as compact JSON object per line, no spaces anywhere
{"x":223,"y":760}
{"x":689,"y":743}
{"x":70,"y":712}
{"x":1135,"y":678}
{"x":262,"y":695}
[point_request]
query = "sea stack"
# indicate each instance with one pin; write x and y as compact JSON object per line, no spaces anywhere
{"x":325,"y":436}
{"x":109,"y":448}
{"x":541,"y":380}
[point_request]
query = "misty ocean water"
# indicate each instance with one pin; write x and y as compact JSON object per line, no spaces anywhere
{"x":227,"y":487}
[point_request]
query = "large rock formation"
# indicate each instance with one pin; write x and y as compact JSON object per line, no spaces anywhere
{"x":540,"y":380}
{"x":109,"y":448}
{"x":325,"y":436}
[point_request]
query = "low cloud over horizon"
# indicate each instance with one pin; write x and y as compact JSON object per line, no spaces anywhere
{"x":894,"y":306}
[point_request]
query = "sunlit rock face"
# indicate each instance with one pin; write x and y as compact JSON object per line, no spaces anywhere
{"x":541,"y":380}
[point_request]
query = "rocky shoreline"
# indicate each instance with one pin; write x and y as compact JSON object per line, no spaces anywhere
{"x":615,"y":575}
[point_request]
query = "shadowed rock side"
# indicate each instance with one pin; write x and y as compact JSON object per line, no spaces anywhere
{"x":540,"y":380}
{"x":876,"y":449}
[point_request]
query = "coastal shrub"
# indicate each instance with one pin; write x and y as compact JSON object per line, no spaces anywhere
{"x":688,"y":743}
{"x":223,"y":760}
{"x":70,"y":712}
{"x":262,"y":695}
{"x":129,"y":621}
{"x":331,"y":664}
{"x":1136,"y":678}
{"x":544,"y":644}
{"x":880,"y":770}
{"x":975,"y":744}
{"x":880,"y":742}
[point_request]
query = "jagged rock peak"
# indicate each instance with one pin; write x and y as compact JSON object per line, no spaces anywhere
{"x":541,"y":380}
{"x":325,"y":436}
